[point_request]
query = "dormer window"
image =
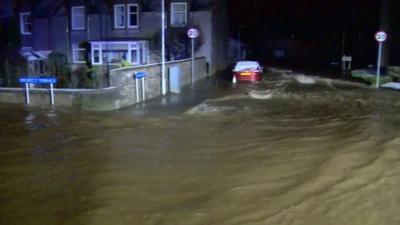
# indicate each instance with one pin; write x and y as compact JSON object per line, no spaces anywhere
{"x":78,"y":18}
{"x":126,"y":16}
{"x":25,"y":22}
{"x":178,"y":14}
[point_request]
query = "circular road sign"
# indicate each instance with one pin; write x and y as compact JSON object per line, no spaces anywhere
{"x":381,"y":36}
{"x":193,"y":33}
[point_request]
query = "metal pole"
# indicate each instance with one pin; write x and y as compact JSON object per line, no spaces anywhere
{"x":163,"y":80}
{"x":378,"y":69}
{"x":137,"y":90}
{"x":52,"y":94}
{"x":192,"y":60}
{"x":28,"y":101}
{"x":68,"y":43}
{"x":143,"y":90}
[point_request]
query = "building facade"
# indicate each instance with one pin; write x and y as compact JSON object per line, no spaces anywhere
{"x":110,"y":32}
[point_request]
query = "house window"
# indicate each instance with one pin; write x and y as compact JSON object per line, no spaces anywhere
{"x":133,"y":15}
{"x":78,"y":18}
{"x":78,"y":53}
{"x":178,"y":14}
{"x":117,"y":52}
{"x":126,"y":16}
{"x":134,"y":54}
{"x":25,"y":23}
{"x":96,"y":54}
{"x":119,"y":16}
{"x":134,"y":57}
{"x":114,"y":56}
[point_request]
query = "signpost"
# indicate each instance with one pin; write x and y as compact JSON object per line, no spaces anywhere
{"x":193,"y":33}
{"x":163,"y":76}
{"x":140,"y":76}
{"x":38,"y":80}
{"x":380,"y":37}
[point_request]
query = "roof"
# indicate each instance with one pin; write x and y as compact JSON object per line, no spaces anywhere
{"x":36,"y":55}
{"x":47,"y":8}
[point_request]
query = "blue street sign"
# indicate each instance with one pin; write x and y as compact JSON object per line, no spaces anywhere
{"x":38,"y":80}
{"x":139,"y":75}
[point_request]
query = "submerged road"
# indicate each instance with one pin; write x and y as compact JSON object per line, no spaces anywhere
{"x":321,"y":153}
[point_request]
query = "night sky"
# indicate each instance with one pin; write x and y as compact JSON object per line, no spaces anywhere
{"x":326,"y":24}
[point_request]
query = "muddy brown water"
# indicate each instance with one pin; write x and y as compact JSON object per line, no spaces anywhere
{"x":320,"y":155}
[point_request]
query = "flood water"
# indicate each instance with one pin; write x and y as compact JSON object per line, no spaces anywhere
{"x":322,"y":154}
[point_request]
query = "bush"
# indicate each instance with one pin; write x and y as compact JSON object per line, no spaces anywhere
{"x":57,"y":65}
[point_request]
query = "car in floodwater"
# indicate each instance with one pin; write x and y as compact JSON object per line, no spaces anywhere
{"x":248,"y":71}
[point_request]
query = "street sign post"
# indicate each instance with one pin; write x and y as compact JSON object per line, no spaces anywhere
{"x":193,"y":33}
{"x":163,"y":75}
{"x":140,"y":76}
{"x":38,"y":80}
{"x":380,"y":37}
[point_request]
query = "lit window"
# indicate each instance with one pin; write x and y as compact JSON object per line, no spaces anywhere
{"x":78,"y":18}
{"x":178,"y":14}
{"x":25,"y":23}
{"x":119,"y":16}
{"x":78,"y":53}
{"x":133,"y":15}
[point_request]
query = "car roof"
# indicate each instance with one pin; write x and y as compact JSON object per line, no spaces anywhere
{"x":242,"y":65}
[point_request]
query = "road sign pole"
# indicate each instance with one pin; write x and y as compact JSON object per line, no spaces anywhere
{"x":163,"y":75}
{"x":27,"y":80}
{"x":137,"y":90}
{"x":52,"y":93}
{"x":193,"y":33}
{"x":143,"y":90}
{"x":380,"y":37}
{"x":378,"y":69}
{"x":28,"y":101}
{"x":192,"y":61}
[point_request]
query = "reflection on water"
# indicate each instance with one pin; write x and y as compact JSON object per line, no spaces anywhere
{"x":310,"y":155}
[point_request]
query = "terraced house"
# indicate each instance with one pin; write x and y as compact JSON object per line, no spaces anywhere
{"x":106,"y":34}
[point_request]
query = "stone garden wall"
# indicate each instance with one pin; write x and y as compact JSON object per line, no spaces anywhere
{"x":122,"y":92}
{"x":123,"y":79}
